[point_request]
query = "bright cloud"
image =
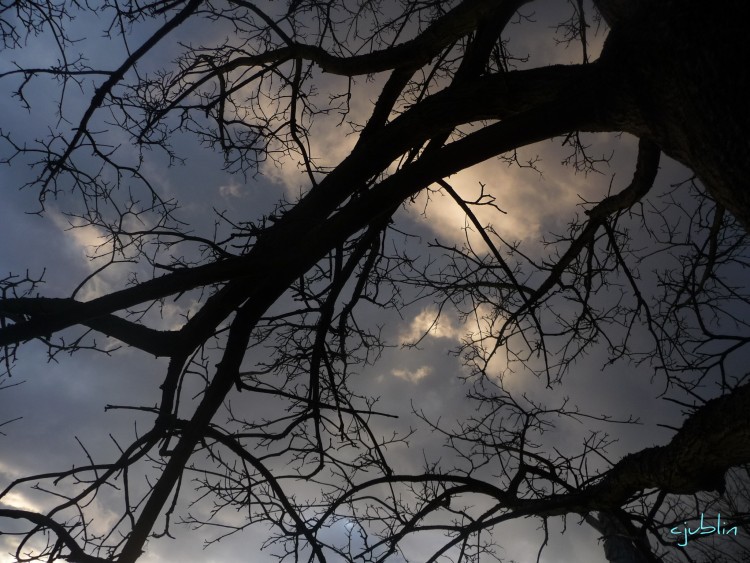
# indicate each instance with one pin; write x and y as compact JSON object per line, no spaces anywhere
{"x":427,"y":323}
{"x":533,"y":201}
{"x":331,"y":137}
{"x":91,"y":248}
{"x":478,"y":329}
{"x":20,"y":502}
{"x":231,"y":190}
{"x":413,"y":376}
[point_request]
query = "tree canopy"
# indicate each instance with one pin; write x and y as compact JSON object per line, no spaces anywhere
{"x":346,"y":135}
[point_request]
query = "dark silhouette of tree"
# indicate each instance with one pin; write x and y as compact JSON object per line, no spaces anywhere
{"x":277,"y":337}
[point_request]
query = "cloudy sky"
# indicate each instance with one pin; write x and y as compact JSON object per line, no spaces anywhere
{"x":61,"y":403}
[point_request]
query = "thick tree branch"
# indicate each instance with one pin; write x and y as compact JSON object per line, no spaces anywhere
{"x":77,"y":555}
{"x":156,"y":342}
{"x":458,"y":22}
{"x":547,"y":91}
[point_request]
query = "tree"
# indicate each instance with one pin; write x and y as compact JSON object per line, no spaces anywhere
{"x":260,"y":390}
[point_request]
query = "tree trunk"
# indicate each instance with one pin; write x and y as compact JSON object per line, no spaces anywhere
{"x":619,"y":544}
{"x":678,"y":71}
{"x":679,"y":67}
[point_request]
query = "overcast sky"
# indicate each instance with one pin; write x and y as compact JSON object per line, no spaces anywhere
{"x":62,"y":403}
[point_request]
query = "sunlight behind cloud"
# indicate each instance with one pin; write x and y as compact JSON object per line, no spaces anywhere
{"x":477,"y":332}
{"x":91,"y":247}
{"x":20,"y":502}
{"x":526,"y":202}
{"x":331,"y":137}
{"x":427,"y":323}
{"x":86,"y":238}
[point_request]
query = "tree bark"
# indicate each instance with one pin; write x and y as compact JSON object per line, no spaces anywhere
{"x":676,"y":67}
{"x":619,"y":544}
{"x":676,"y":72}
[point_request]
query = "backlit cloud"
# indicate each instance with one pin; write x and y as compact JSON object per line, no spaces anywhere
{"x":427,"y":323}
{"x":413,"y":376}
